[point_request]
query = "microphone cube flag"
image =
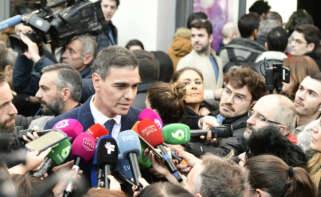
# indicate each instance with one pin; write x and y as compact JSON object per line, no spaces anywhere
{"x":97,"y":130}
{"x":128,"y":142}
{"x":71,"y":127}
{"x":84,"y":146}
{"x":107,"y":151}
{"x":176,"y":133}
{"x":60,"y":153}
{"x":150,"y":132}
{"x":153,"y":115}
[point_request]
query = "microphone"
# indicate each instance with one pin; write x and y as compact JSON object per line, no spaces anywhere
{"x":176,"y":133}
{"x":97,"y":131}
{"x":129,"y":148}
{"x":153,"y":115}
{"x":143,"y":161}
{"x":12,"y":21}
{"x":83,"y":148}
{"x":151,"y":133}
{"x":71,"y":127}
{"x":56,"y":156}
{"x":107,"y":156}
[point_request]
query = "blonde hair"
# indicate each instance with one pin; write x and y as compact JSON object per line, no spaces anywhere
{"x":314,"y":169}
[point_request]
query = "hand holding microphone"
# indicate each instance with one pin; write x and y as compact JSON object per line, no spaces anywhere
{"x":151,"y":133}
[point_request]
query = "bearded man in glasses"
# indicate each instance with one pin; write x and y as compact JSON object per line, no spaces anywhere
{"x":273,"y":109}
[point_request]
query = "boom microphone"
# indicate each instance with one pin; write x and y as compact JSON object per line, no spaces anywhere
{"x":83,"y":148}
{"x":151,"y":133}
{"x":107,"y":156}
{"x":153,"y":115}
{"x":129,"y":148}
{"x":71,"y":127}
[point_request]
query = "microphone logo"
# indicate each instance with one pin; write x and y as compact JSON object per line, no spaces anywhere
{"x":88,"y":145}
{"x":62,"y":124}
{"x":158,"y":123}
{"x":179,"y":134}
{"x":110,"y":148}
{"x":65,"y":152}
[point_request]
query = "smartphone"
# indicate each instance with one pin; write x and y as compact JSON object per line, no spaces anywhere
{"x":157,"y":153}
{"x":46,"y":141}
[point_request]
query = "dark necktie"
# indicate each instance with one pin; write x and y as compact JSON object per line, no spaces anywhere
{"x":109,"y":125}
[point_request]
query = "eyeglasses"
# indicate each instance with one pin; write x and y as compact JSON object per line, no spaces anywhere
{"x":252,"y":113}
{"x":237,"y":98}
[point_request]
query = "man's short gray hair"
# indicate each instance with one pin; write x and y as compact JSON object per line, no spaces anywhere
{"x":67,"y":77}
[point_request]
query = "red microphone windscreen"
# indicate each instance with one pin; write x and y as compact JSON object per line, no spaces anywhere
{"x":150,"y":132}
{"x":135,"y":127}
{"x":84,"y":147}
{"x":97,"y":130}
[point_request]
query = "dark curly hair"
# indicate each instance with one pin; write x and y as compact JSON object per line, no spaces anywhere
{"x":241,"y":77}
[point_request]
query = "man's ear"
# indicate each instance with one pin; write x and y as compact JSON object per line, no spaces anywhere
{"x":261,"y":193}
{"x":66,"y":94}
{"x":211,"y":38}
{"x":96,"y":79}
{"x":283,"y":130}
{"x":88,"y":59}
{"x":311,"y":46}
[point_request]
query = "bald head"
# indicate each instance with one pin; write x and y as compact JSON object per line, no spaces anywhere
{"x":229,"y":32}
{"x":273,"y":109}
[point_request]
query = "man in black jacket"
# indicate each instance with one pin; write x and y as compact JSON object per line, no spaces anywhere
{"x":243,"y":87}
{"x":109,"y":34}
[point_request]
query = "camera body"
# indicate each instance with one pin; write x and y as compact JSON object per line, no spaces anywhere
{"x":57,"y":28}
{"x":275,"y":73}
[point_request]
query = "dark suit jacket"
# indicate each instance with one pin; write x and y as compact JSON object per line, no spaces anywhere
{"x":84,"y":116}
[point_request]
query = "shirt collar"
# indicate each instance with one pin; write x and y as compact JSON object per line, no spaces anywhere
{"x":100,"y":117}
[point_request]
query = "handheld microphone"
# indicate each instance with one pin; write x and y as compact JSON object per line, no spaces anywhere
{"x":97,"y":131}
{"x":176,"y":133}
{"x":143,"y":161}
{"x":129,"y":148}
{"x":71,"y":127}
{"x":57,"y":155}
{"x":153,"y":115}
{"x":151,"y":133}
{"x":107,"y":156}
{"x":83,"y":148}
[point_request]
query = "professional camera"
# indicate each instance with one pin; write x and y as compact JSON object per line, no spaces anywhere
{"x":221,"y":131}
{"x":57,"y":28}
{"x":275,"y":73}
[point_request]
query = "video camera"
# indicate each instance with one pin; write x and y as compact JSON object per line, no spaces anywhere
{"x":275,"y":73}
{"x":57,"y":28}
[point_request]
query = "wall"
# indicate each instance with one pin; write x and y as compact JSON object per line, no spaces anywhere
{"x":151,"y":21}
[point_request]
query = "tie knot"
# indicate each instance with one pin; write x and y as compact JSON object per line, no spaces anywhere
{"x":109,"y":124}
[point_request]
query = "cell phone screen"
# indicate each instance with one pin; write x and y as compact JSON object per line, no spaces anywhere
{"x":48,"y":140}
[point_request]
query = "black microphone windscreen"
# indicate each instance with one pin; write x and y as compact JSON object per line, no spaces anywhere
{"x":107,"y":151}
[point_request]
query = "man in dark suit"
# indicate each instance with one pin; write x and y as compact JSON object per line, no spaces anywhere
{"x":115,"y":79}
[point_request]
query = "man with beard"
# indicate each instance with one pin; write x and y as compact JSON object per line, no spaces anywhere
{"x":243,"y":87}
{"x":204,"y":58}
{"x":59,"y":91}
{"x":273,"y":109}
{"x":308,"y":101}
